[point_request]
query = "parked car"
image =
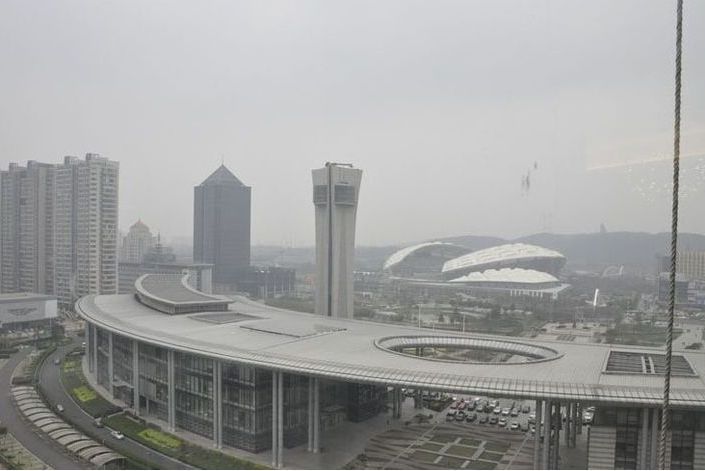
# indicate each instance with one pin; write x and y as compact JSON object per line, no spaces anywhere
{"x":497,"y":411}
{"x":57,"y":361}
{"x":450,"y":415}
{"x":483,"y":419}
{"x":493,"y":420}
{"x":59,"y":408}
{"x":526,"y":408}
{"x":117,"y":435}
{"x":502,"y":422}
{"x":514,"y":412}
{"x":514,"y":425}
{"x":462,"y":405}
{"x":524,"y":427}
{"x":471,"y":406}
{"x":505,"y":412}
{"x":471,"y":417}
{"x":532,"y":418}
{"x":454,"y":405}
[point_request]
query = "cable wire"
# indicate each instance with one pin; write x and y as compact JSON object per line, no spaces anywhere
{"x":664,"y":439}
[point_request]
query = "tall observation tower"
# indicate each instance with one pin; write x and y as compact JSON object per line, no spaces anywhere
{"x":335,"y":192}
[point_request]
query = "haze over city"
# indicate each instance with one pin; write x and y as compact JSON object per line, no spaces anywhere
{"x":446,"y":106}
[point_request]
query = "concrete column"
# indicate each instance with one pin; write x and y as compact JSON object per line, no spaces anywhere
{"x":280,"y":421}
{"x":316,"y":415}
{"x":546,"y":428}
{"x":94,"y":352}
{"x":568,"y":423}
{"x":537,"y":436}
{"x":275,"y":420}
{"x":172,"y":390}
{"x":89,"y":352}
{"x":655,"y":421}
{"x":577,"y":423}
{"x":557,"y":439}
{"x":643,"y":439}
{"x":217,"y":404}
{"x":136,"y":377}
{"x":310,"y":415}
{"x":580,"y":419}
{"x":111,"y":368}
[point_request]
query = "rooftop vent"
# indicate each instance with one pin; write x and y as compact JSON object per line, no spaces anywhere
{"x":646,"y":364}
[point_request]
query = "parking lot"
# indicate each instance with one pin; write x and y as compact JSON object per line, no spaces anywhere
{"x":516,"y":416}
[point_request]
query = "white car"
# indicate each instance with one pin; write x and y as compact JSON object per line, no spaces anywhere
{"x":117,"y":435}
{"x":505,"y":412}
{"x":514,"y":425}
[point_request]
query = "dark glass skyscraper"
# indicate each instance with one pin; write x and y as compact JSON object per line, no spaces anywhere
{"x":221,"y":226}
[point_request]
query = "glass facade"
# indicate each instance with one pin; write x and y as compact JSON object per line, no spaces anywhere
{"x":194,"y":393}
{"x":103,"y":354}
{"x":247,"y":407}
{"x":245,"y":393}
{"x":154,"y":380}
{"x":122,"y":369}
{"x":628,"y":423}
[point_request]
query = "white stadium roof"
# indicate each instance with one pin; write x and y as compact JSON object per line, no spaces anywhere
{"x":507,"y":275}
{"x":400,"y":255}
{"x":500,"y":254}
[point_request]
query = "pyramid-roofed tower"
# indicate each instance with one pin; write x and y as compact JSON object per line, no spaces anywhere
{"x":221,"y":227}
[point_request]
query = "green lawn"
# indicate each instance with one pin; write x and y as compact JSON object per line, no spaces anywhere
{"x":459,"y":450}
{"x":500,"y":447}
{"x":423,"y":456}
{"x":470,"y":442}
{"x":481,"y":465}
{"x":431,"y":446}
{"x":173,"y":446}
{"x":490,"y":456}
{"x":73,"y":380}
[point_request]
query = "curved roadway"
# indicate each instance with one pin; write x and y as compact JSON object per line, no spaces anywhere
{"x":50,"y":452}
{"x":50,"y":380}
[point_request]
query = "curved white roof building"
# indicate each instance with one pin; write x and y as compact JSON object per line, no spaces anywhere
{"x":505,"y":256}
{"x":508,"y":275}
{"x":425,"y":257}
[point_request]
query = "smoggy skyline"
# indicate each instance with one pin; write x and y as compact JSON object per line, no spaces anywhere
{"x":449,"y":108}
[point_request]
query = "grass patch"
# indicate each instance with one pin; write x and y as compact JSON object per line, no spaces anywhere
{"x":459,"y":450}
{"x":470,"y":442}
{"x":450,"y":462}
{"x":73,"y":380}
{"x":162,"y":440}
{"x":423,"y":456}
{"x":431,"y":446}
{"x":83,"y":394}
{"x":170,"y":445}
{"x":444,"y":438}
{"x":481,"y":465}
{"x":490,"y":456}
{"x":499,"y":447}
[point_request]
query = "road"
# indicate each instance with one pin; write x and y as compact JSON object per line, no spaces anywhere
{"x":50,"y":380}
{"x":41,"y":446}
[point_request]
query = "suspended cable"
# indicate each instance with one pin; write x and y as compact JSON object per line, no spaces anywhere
{"x":664,"y":439}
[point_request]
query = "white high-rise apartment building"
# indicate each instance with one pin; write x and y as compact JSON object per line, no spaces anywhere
{"x":85,"y":227}
{"x":138,"y":241}
{"x":26,"y":228}
{"x":335,"y":194}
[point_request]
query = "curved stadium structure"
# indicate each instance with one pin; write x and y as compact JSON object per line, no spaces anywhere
{"x":422,"y":259}
{"x":250,"y":376}
{"x":525,"y":256}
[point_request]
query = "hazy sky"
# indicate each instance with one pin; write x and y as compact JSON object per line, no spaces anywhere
{"x":445,"y":106}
